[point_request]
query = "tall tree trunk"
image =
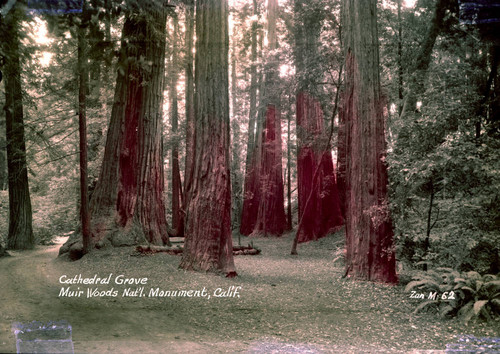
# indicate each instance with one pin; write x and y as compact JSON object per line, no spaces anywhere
{"x":140,"y":199}
{"x":319,"y":209}
{"x":342,"y":163}
{"x":236,"y":176}
{"x":400,"y":59}
{"x":369,"y":235}
{"x":289,"y":217}
{"x":127,"y":206}
{"x":82,"y":127}
{"x":319,"y":206}
{"x":176,"y":174}
{"x":271,"y":218}
{"x":189,"y":104}
{"x":208,"y":244}
{"x":20,"y":215}
{"x":251,"y":192}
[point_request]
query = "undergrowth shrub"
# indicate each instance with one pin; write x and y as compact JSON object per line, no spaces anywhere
{"x":467,"y":295}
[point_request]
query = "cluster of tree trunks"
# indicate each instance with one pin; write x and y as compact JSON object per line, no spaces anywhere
{"x":319,"y":205}
{"x":127,"y":204}
{"x":369,"y":234}
{"x":263,"y":211}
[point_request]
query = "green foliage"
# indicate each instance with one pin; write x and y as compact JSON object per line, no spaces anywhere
{"x":436,"y":150}
{"x":466,"y":295}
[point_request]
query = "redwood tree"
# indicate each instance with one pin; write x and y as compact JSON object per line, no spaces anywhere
{"x":208,"y":243}
{"x":20,"y":216}
{"x":127,"y":205}
{"x":369,"y":235}
{"x":266,"y":196}
{"x":271,"y":219}
{"x":319,"y":206}
{"x":319,"y":209}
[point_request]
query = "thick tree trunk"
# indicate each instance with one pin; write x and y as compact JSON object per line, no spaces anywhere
{"x":250,"y":197}
{"x":271,"y":219}
{"x":369,"y":235}
{"x":208,"y":244}
{"x":140,"y":189}
{"x":20,"y":216}
{"x":319,"y":206}
{"x":127,"y":205}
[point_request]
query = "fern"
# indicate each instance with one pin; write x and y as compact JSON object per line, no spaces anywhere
{"x":476,"y":296}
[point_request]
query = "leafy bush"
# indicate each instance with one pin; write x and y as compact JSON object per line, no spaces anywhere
{"x":466,"y":295}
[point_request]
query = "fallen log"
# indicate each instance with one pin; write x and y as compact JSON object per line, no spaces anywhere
{"x":246,"y":252}
{"x":152,"y":249}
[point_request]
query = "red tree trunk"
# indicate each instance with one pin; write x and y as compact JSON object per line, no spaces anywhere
{"x":271,"y":219}
{"x":319,"y":206}
{"x":208,"y":243}
{"x":127,"y":205}
{"x":369,"y":234}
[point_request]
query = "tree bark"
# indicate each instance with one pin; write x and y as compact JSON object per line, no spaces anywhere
{"x":270,"y":215}
{"x":319,"y":206}
{"x":271,"y":219}
{"x":127,"y":205}
{"x":369,"y":235}
{"x":319,"y":209}
{"x":20,"y":215}
{"x":208,"y":243}
{"x":140,"y":189}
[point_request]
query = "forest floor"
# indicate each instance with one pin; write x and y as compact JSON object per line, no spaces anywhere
{"x":286,"y":303}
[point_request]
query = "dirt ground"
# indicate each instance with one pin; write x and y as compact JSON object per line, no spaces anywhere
{"x":285,"y":304}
